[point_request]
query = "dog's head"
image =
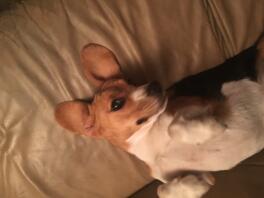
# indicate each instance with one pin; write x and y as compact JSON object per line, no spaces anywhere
{"x":118,"y":109}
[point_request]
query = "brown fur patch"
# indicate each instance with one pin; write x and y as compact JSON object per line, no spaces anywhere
{"x":198,"y":108}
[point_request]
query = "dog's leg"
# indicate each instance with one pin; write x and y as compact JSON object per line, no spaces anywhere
{"x":189,"y":186}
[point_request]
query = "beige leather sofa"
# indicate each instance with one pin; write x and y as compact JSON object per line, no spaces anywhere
{"x":40,"y":42}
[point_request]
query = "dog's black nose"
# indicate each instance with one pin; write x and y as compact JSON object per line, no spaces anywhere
{"x":154,"y":89}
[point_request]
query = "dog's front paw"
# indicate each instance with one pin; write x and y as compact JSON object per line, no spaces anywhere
{"x":190,"y":186}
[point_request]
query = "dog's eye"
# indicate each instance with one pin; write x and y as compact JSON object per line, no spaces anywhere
{"x":117,"y":104}
{"x":141,"y":120}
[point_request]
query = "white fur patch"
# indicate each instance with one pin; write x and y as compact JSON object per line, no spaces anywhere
{"x":195,"y":132}
{"x":139,"y":94}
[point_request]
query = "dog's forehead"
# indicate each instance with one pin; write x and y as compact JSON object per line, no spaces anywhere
{"x":114,"y":87}
{"x":111,"y":92}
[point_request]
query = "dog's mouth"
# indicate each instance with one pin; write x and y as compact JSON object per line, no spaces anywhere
{"x":149,"y":100}
{"x":158,"y":101}
{"x":155,"y":90}
{"x":148,"y":122}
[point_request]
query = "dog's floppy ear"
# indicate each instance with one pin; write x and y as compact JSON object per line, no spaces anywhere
{"x":99,"y":64}
{"x":75,"y":116}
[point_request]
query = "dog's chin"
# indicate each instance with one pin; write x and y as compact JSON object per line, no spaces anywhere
{"x":161,"y":102}
{"x":163,"y":99}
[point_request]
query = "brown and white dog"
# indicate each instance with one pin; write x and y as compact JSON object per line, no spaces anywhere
{"x":182,"y":140}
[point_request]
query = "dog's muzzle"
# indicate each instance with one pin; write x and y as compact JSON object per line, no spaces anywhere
{"x":154,"y":89}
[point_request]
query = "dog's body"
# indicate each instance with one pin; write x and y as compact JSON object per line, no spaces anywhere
{"x":181,"y":139}
{"x":177,"y":141}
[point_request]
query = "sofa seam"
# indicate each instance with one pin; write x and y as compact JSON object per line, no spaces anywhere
{"x":217,"y":29}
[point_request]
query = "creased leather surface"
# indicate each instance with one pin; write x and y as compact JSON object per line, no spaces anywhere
{"x":40,"y":42}
{"x":236,"y":24}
